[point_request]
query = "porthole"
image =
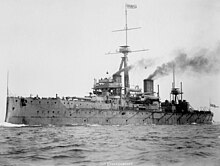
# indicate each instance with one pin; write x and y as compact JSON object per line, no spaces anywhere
{"x":16,"y":100}
{"x":123,"y":113}
{"x":13,"y":108}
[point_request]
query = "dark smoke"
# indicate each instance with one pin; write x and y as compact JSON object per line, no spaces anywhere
{"x":202,"y":62}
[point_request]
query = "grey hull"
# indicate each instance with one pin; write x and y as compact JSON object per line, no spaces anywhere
{"x":61,"y":112}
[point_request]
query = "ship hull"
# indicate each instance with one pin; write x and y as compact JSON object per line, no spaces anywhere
{"x":61,"y":112}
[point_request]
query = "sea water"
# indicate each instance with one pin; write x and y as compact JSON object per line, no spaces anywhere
{"x":101,"y":145}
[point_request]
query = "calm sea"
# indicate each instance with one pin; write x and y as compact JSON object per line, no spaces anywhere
{"x":110,"y":145}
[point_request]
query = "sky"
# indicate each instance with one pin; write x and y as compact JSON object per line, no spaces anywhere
{"x":58,"y":47}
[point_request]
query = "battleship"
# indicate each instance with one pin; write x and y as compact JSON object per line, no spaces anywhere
{"x":112,"y":102}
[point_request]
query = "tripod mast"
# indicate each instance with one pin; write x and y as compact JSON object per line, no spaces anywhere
{"x":125,"y":49}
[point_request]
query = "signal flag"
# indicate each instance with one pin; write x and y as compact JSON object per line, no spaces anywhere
{"x":213,"y":105}
{"x":129,"y":6}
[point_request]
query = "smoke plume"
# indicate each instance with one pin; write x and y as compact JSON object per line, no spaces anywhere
{"x":143,"y":64}
{"x":124,"y":69}
{"x":202,"y":62}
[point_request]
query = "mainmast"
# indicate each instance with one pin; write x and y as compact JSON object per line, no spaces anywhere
{"x":175,"y":91}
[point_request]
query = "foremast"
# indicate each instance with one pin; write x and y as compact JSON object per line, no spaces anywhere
{"x":6,"y":115}
{"x":125,"y":50}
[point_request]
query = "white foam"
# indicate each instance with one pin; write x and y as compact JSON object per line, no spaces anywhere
{"x":93,"y":125}
{"x":5,"y":124}
{"x":75,"y":124}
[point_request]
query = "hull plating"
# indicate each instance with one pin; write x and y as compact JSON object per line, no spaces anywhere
{"x":62,"y":112}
